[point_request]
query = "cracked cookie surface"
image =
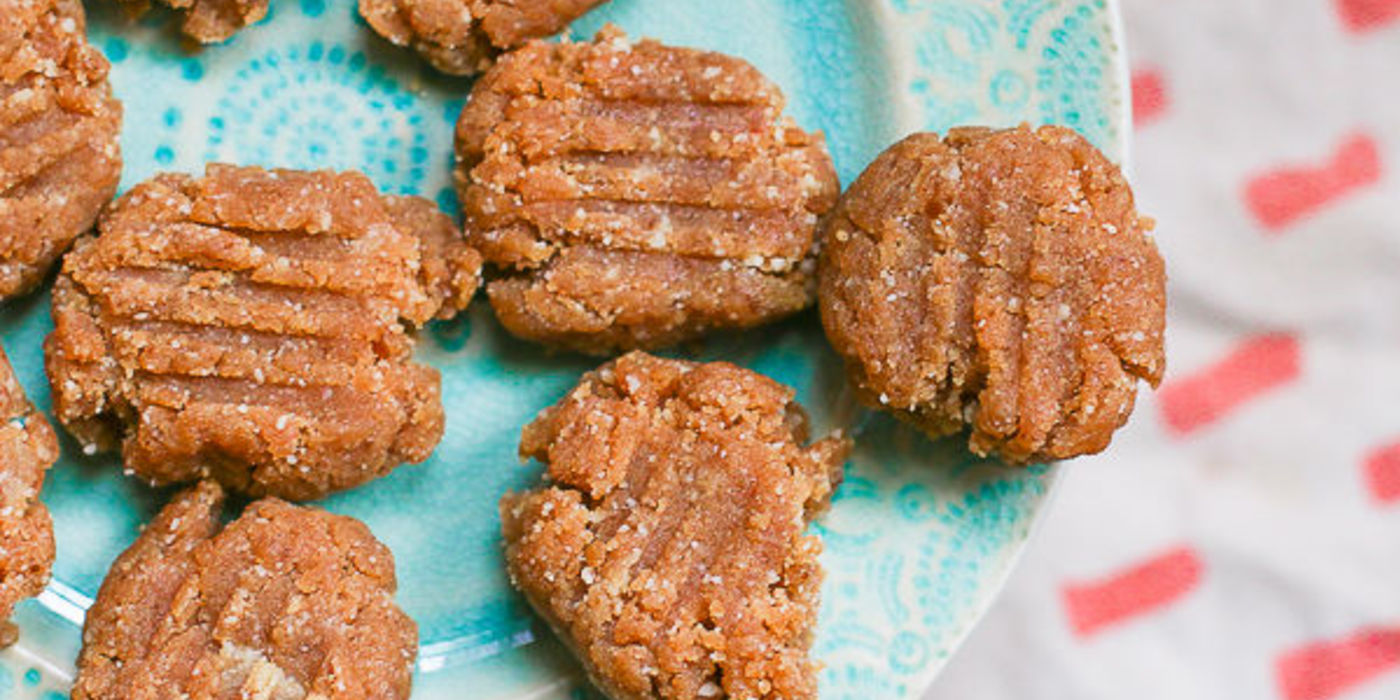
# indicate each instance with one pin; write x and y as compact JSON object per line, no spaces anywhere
{"x":1000,"y":281}
{"x":284,"y":603}
{"x":59,"y":156}
{"x":637,"y":195}
{"x":667,"y":546}
{"x":463,"y":37}
{"x":253,"y":327}
{"x":28,"y":447}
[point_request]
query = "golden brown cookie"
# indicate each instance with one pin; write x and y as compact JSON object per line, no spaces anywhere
{"x":462,"y":37}
{"x":59,"y":158}
{"x":667,"y":549}
{"x":284,"y":603}
{"x":253,"y":327}
{"x":638,"y":195}
{"x":28,"y":448}
{"x":1000,"y":281}
{"x":208,"y":21}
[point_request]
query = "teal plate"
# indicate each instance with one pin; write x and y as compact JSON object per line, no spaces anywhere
{"x":921,"y":535}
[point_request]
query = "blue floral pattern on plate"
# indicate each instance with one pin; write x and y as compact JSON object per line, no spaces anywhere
{"x":920,"y":536}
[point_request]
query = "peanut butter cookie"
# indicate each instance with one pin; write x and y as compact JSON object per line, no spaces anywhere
{"x":634,"y":196}
{"x":253,"y":327}
{"x":284,"y":603}
{"x":667,"y":549}
{"x":208,"y":21}
{"x":1000,"y":281}
{"x":462,"y":37}
{"x":28,"y":448}
{"x":59,"y":158}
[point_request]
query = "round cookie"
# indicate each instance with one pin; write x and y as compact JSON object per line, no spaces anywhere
{"x":284,"y":603}
{"x":1000,"y":281}
{"x":253,"y":327}
{"x":463,"y":37}
{"x":28,"y":448}
{"x":667,"y":548}
{"x":59,"y":157}
{"x":635,"y":196}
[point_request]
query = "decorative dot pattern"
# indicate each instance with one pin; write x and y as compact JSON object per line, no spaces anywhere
{"x":914,"y":554}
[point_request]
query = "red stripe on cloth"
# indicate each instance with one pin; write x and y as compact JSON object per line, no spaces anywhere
{"x":1325,"y":669}
{"x":1254,"y":367}
{"x":1149,"y":96}
{"x":1382,"y":469}
{"x":1135,"y":591}
{"x":1287,"y":193}
{"x":1365,"y":15}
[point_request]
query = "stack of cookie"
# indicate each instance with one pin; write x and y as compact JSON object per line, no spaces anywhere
{"x":252,"y":331}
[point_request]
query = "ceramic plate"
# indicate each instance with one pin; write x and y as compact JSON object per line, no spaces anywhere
{"x":921,"y":535}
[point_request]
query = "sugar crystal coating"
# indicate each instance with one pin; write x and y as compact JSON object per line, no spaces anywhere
{"x":667,"y":547}
{"x":1000,"y":281}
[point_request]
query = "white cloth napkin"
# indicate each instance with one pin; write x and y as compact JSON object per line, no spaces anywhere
{"x":1241,"y":538}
